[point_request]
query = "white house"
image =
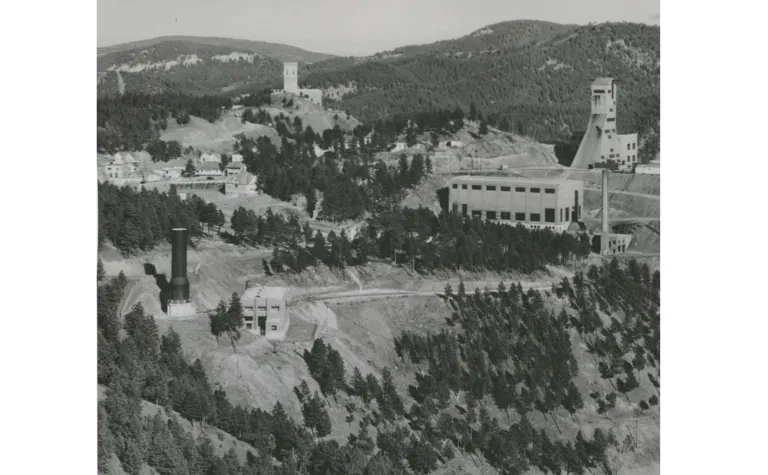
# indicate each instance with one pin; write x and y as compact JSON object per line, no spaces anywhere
{"x":173,"y":172}
{"x":399,"y":147}
{"x":233,"y":168}
{"x":210,"y":158}
{"x":237,"y":157}
{"x":243,"y":182}
{"x":119,"y":168}
{"x":209,"y":170}
{"x":153,"y":176}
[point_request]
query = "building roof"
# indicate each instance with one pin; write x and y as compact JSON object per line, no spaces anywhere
{"x":235,"y":165}
{"x":497,"y":179}
{"x":242,"y":178}
{"x":260,"y":292}
{"x":209,"y":166}
{"x":602,"y":82}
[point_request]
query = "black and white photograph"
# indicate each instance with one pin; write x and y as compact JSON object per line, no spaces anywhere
{"x":374,"y":238}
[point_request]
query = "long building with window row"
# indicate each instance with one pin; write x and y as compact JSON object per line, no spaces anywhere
{"x":537,"y":203}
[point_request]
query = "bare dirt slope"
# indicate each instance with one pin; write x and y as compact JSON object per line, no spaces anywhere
{"x":486,"y":152}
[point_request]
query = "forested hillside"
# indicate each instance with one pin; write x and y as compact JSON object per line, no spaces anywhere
{"x":478,"y":389}
{"x":277,"y":51}
{"x":541,"y":88}
{"x":185,"y":67}
{"x":533,"y":76}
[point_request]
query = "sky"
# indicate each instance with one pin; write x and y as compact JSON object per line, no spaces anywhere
{"x":346,"y":27}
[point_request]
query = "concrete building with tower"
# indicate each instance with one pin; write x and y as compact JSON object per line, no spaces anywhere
{"x":602,"y":146}
{"x":537,"y":203}
{"x":291,"y":84}
{"x":265,"y":311}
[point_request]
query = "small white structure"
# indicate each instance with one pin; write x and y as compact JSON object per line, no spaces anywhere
{"x":243,"y":182}
{"x":210,"y":158}
{"x":648,"y":169}
{"x":618,"y":243}
{"x":265,"y":311}
{"x":173,"y":172}
{"x":237,"y":158}
{"x":209,"y":169}
{"x":399,"y":147}
{"x":233,"y":168}
{"x":156,"y":175}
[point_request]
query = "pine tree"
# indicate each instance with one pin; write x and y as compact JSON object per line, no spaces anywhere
{"x":472,"y":112}
{"x":359,"y":385}
{"x":218,"y":323}
{"x":100,"y":271}
{"x":422,"y":458}
{"x":234,"y":313}
{"x":483,"y":128}
{"x":316,"y":417}
{"x":189,"y":170}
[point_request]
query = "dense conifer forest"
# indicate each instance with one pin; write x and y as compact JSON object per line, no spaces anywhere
{"x":131,"y":121}
{"x":540,"y":90}
{"x":506,"y":350}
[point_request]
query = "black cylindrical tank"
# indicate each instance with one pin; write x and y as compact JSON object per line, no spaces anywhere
{"x":179,"y":285}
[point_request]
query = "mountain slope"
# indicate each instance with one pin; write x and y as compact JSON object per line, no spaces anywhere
{"x":529,"y":77}
{"x":499,"y":36}
{"x":540,"y":88}
{"x":273,"y":50}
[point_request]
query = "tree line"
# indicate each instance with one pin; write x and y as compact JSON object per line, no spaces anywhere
{"x":136,"y":221}
{"x":418,"y":238}
{"x":538,"y":91}
{"x":348,"y":180}
{"x":624,"y":350}
{"x":132,"y":121}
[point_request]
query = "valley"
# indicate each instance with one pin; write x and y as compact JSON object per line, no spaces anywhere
{"x":422,"y":328}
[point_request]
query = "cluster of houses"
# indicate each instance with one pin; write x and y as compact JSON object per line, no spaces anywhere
{"x":444,"y":145}
{"x":236,"y":178}
{"x":122,"y":166}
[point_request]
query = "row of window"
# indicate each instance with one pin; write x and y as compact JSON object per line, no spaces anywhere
{"x":518,"y":189}
{"x":634,"y":145}
{"x":549,"y":214}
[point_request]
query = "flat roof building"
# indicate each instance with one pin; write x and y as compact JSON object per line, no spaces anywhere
{"x":265,"y":311}
{"x":538,"y":203}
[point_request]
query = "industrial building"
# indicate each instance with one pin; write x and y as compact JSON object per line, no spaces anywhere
{"x":602,"y":146}
{"x":291,"y":84}
{"x":265,"y":311}
{"x":537,"y":203}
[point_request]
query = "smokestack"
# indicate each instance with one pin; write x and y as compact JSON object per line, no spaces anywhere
{"x":605,"y":231}
{"x":179,"y":285}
